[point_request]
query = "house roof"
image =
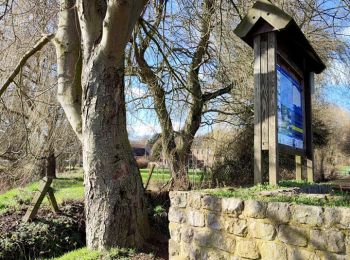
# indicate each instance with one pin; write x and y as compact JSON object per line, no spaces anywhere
{"x":284,"y":24}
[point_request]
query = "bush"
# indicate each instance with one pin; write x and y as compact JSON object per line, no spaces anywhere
{"x":47,"y":236}
{"x":142,"y":163}
{"x":236,"y":158}
{"x":158,"y":206}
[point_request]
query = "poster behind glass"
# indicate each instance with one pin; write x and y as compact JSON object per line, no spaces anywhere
{"x":290,"y":111}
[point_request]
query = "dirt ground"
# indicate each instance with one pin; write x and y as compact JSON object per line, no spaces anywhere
{"x":157,"y":244}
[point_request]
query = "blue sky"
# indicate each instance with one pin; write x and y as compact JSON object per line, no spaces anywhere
{"x":338,"y":95}
{"x":336,"y":90}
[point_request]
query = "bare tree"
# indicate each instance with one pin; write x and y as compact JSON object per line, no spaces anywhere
{"x":177,"y":144}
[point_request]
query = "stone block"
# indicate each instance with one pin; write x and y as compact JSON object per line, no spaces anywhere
{"x":337,"y":217}
{"x":202,"y":237}
{"x":186,"y":234}
{"x":176,"y":215}
{"x":345,"y":217}
{"x":328,"y":240}
{"x":262,"y":230}
{"x":232,"y":206}
{"x":174,"y":249}
{"x":331,"y":256}
{"x":272,"y":250}
{"x":213,"y":221}
{"x":214,"y":255}
{"x":247,"y":249}
{"x":278,"y":212}
{"x":310,"y":215}
{"x":211,"y":203}
{"x":223,"y":242}
{"x":178,"y":257}
{"x":195,"y":218}
{"x":332,"y":216}
{"x":347,"y":243}
{"x":239,"y":227}
{"x":255,"y":209}
{"x":178,"y":199}
{"x":301,"y":254}
{"x":195,"y":252}
{"x":194,"y":200}
{"x":293,"y":235}
{"x":175,"y":232}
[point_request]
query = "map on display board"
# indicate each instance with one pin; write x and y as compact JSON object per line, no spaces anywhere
{"x":289,"y":110}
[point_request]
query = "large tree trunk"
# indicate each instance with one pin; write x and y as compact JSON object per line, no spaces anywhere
{"x":179,"y":173}
{"x":90,"y":47}
{"x":115,"y":208}
{"x":177,"y":159}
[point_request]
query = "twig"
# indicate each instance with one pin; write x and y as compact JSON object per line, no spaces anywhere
{"x":37,"y":47}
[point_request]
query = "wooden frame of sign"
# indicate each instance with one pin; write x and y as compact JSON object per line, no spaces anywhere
{"x":278,"y":41}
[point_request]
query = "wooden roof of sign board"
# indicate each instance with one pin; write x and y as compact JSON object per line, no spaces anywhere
{"x":264,"y":17}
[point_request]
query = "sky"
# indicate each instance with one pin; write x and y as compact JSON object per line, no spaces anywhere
{"x":336,"y":90}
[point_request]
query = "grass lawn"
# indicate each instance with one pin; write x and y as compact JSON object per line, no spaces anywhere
{"x":163,"y":175}
{"x":69,"y":186}
{"x":338,"y":200}
{"x":87,"y":254}
{"x":344,"y":170}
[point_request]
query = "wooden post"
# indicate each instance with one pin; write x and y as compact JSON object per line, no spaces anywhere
{"x":38,"y":198}
{"x":149,"y":175}
{"x":257,"y":113}
{"x":310,"y":170}
{"x":272,"y":86}
{"x":265,"y":91}
{"x":308,"y":126}
{"x":52,"y":200}
{"x":298,"y":167}
{"x":265,"y":105}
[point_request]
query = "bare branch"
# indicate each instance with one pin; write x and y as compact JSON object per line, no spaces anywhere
{"x":37,"y":47}
{"x":209,"y":96}
{"x":116,"y":33}
{"x":91,"y":14}
{"x":69,"y":66}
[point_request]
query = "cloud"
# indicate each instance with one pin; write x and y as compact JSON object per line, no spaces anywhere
{"x":139,"y":130}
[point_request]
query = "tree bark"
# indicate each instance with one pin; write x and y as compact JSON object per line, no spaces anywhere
{"x":115,"y":206}
{"x":51,"y":165}
{"x":90,"y":45}
{"x":179,"y":171}
{"x":69,"y":64}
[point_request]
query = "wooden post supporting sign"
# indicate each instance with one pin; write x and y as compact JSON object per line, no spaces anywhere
{"x":284,"y":63}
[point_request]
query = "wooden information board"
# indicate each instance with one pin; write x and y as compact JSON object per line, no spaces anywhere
{"x":284,"y":67}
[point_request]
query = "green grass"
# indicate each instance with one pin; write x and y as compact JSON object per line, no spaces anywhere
{"x":87,"y":254}
{"x":344,"y":170}
{"x":15,"y":196}
{"x":160,"y":175}
{"x":69,"y":186}
{"x":340,"y":200}
{"x":81,"y":254}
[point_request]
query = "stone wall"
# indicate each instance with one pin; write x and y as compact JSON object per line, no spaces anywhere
{"x":205,"y":227}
